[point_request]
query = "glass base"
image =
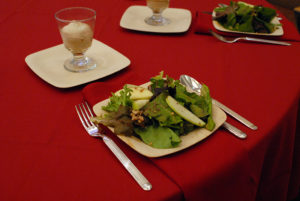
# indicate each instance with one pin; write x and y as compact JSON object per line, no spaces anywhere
{"x":80,"y":65}
{"x":157,"y":20}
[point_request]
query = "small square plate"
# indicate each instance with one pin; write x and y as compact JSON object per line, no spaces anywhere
{"x":187,"y":140}
{"x":48,"y":65}
{"x":133,"y":18}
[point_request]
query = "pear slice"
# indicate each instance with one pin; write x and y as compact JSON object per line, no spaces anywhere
{"x":183,"y":112}
{"x":138,"y":104}
{"x":138,"y":92}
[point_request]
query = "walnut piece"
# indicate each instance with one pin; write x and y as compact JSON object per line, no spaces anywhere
{"x":137,"y":115}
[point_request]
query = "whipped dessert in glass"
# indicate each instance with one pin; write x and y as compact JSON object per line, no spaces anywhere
{"x":77,"y":37}
{"x":76,"y":26}
{"x":157,"y":7}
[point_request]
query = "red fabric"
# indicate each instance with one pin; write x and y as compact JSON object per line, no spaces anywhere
{"x":46,"y":155}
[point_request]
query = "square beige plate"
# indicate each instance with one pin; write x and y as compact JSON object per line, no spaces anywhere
{"x":186,"y":141}
{"x":277,"y":32}
{"x":48,"y":65}
{"x":133,"y":18}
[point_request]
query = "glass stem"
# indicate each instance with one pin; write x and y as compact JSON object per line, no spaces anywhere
{"x":156,"y":16}
{"x":78,"y":56}
{"x":79,"y":59}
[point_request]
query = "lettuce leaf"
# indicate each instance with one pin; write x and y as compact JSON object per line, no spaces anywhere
{"x":210,"y":124}
{"x":182,"y":95}
{"x":157,"y":82}
{"x":240,"y":16}
{"x":115,"y":101}
{"x":159,"y":110}
{"x":119,"y":120}
{"x":158,"y":137}
{"x":201,"y":105}
{"x":264,"y":13}
{"x":160,"y":84}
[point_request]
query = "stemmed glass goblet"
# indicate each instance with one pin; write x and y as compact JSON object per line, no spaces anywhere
{"x":76,"y":27}
{"x":157,"y":7}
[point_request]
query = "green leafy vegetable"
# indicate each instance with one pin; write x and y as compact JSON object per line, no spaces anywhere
{"x":264,"y":13}
{"x":198,"y":111}
{"x":210,"y":125}
{"x":119,"y":120}
{"x":240,"y":16}
{"x":185,"y":97}
{"x":158,"y":137}
{"x":157,"y":82}
{"x":246,"y":25}
{"x":201,"y":105}
{"x":155,"y":122}
{"x":208,"y":106}
{"x":160,"y":111}
{"x":115,"y":101}
{"x":243,"y":10}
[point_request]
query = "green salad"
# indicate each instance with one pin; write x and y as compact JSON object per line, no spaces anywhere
{"x":159,"y":114}
{"x":240,"y":16}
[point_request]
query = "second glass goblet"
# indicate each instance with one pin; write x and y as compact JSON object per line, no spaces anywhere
{"x":76,"y":26}
{"x":157,"y":7}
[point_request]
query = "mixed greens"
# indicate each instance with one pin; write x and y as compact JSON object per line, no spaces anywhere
{"x":160,"y":114}
{"x":240,"y":16}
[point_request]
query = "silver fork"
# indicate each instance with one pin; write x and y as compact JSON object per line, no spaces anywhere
{"x":84,"y":113}
{"x":222,"y":38}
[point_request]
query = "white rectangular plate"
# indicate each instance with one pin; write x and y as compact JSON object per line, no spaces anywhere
{"x":277,"y":32}
{"x":186,"y":141}
{"x":48,"y":64}
{"x":133,"y":18}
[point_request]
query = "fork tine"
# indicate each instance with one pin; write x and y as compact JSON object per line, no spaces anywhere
{"x":88,"y":107}
{"x":79,"y":115}
{"x":85,"y":115}
{"x":90,"y":113}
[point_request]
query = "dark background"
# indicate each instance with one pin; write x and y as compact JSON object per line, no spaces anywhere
{"x":286,"y":8}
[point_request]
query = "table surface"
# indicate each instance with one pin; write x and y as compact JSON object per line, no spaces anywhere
{"x":46,"y":155}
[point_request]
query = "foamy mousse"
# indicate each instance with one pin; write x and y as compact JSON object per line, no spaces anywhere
{"x":77,"y":37}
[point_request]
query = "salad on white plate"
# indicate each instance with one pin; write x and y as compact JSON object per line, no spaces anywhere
{"x":159,"y":114}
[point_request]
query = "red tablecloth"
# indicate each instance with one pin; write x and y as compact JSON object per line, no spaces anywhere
{"x":46,"y":154}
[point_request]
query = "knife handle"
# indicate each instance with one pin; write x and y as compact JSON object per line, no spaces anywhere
{"x":235,"y":115}
{"x":234,"y":130}
{"x":129,"y":166}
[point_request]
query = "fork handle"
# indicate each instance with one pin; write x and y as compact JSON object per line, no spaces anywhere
{"x":129,"y":166}
{"x":266,"y":41}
